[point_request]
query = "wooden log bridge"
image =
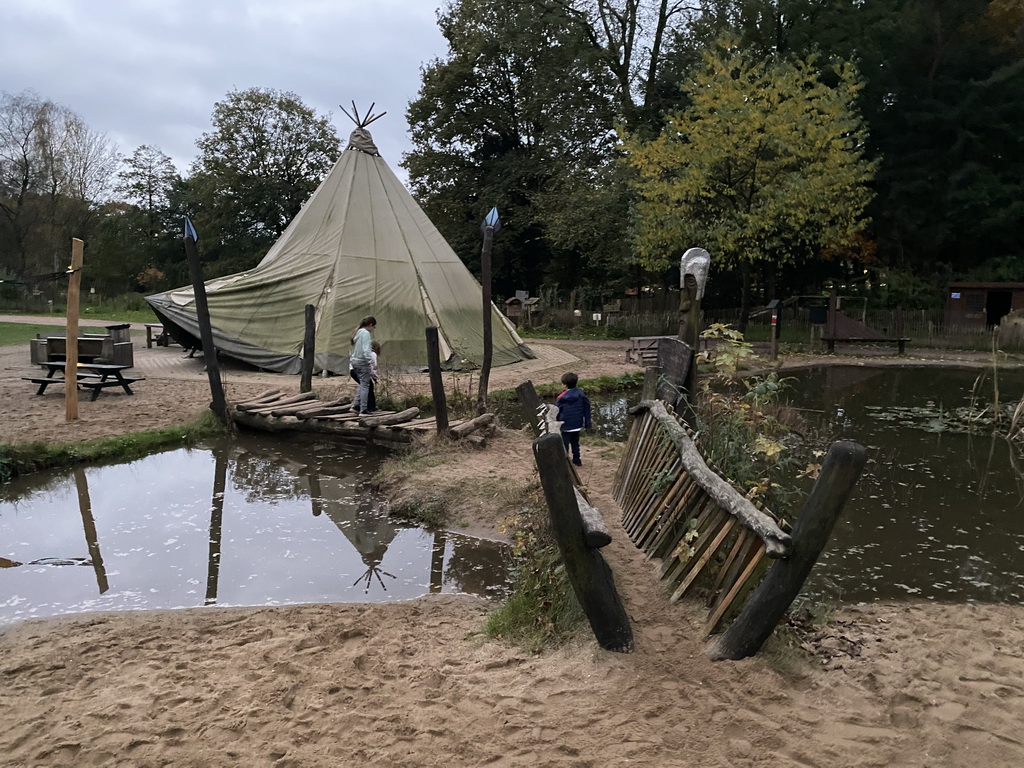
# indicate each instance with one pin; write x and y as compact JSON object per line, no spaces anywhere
{"x":277,"y":411}
{"x":677,"y":509}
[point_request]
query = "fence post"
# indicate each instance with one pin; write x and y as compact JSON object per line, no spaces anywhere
{"x":531,"y":403}
{"x":589,"y":574}
{"x":308,"y":350}
{"x":436,"y":384}
{"x":773,"y":596}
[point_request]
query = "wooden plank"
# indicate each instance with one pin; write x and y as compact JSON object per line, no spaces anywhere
{"x":716,"y":617}
{"x":707,"y":554}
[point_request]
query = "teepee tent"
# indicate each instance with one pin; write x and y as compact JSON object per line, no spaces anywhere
{"x":360,"y":246}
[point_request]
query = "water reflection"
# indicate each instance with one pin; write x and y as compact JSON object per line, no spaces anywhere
{"x":608,"y":412}
{"x":256,"y":521}
{"x":938,"y":513}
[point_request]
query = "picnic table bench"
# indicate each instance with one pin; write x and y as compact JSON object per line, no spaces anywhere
{"x":831,"y":341}
{"x":156,"y":332}
{"x":94,"y":376}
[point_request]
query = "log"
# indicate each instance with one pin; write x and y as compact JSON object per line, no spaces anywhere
{"x":477,"y":441}
{"x":334,"y":408}
{"x":262,"y":399}
{"x":471,"y":426}
{"x":300,"y":409}
{"x":348,"y":431}
{"x":595,"y":532}
{"x":294,"y":399}
{"x":391,"y":418}
{"x":773,"y":596}
{"x":777,"y":543}
{"x":589,"y":574}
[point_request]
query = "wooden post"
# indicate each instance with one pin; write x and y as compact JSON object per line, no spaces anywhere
{"x":773,"y":596}
{"x":775,"y":334}
{"x":830,"y":322}
{"x":652,"y":374}
{"x":436,"y":383}
{"x":71,"y":332}
{"x":530,"y":401}
{"x":589,"y":574}
{"x":490,"y":226}
{"x":195,"y":268}
{"x":308,"y":350}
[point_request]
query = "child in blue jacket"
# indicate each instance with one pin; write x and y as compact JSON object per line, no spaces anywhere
{"x":574,"y":413}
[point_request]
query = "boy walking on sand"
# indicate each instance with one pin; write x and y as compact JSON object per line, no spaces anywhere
{"x":574,"y":413}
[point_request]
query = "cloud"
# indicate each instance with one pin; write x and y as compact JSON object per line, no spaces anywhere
{"x":146,"y":72}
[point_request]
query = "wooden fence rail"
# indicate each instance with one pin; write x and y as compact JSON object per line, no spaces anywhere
{"x":677,"y":509}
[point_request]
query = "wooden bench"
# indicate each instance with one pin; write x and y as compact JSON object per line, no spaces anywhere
{"x":830,"y":343}
{"x":156,"y":332}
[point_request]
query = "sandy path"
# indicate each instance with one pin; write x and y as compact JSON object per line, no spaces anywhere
{"x":412,"y":684}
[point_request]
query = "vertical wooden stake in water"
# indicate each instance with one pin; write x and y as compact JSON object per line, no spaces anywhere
{"x":308,"y":350}
{"x":589,"y":574}
{"x":71,"y":333}
{"x":773,"y":596}
{"x":436,"y":384}
{"x":195,"y":268}
{"x":489,"y":226}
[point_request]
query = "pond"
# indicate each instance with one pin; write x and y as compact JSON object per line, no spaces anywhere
{"x":938,"y":513}
{"x":254,"y":521}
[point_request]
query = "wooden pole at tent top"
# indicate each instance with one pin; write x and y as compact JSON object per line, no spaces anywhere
{"x":71,"y":331}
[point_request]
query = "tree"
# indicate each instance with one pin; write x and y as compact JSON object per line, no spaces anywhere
{"x":53,"y":170}
{"x":265,"y":156}
{"x":520,"y":115}
{"x":146,"y":180}
{"x":765,"y":167}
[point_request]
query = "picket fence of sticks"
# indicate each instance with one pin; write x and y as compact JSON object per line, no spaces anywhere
{"x":676,"y":508}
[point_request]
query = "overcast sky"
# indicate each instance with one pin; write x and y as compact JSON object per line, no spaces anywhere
{"x":150,"y":71}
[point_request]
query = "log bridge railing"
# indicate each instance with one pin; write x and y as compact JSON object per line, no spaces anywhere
{"x":578,"y":528}
{"x":679,"y":510}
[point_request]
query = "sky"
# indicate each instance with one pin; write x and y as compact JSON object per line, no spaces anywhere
{"x":150,"y":71}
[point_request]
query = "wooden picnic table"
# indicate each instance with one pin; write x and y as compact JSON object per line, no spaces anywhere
{"x":94,"y":376}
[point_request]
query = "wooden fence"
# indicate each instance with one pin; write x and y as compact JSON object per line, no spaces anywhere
{"x":678,"y":510}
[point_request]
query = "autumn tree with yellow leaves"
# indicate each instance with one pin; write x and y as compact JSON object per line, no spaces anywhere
{"x":765,"y":167}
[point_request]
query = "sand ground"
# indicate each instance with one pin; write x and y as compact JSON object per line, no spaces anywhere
{"x":414,"y":683}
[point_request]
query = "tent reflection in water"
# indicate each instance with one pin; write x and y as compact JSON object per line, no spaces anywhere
{"x":360,"y":246}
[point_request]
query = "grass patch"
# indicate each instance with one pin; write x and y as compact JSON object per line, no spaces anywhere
{"x":542,"y":610}
{"x":18,"y":334}
{"x":627,"y":382}
{"x":23,"y":458}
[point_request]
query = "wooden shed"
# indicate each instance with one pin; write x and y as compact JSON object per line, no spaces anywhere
{"x":518,"y":309}
{"x":981,"y":305}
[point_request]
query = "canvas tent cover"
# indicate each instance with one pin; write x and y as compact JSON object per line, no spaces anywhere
{"x":360,"y":246}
